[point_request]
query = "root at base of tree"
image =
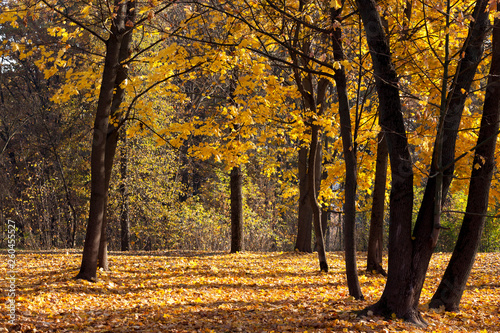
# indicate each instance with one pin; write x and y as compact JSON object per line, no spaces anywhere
{"x":413,"y":316}
{"x":323,"y":266}
{"x":376,"y":269}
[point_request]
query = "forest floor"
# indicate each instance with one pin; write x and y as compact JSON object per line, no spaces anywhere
{"x":219,"y":292}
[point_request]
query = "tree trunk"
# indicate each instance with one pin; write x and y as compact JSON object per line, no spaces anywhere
{"x":427,"y":225}
{"x":114,"y":132}
{"x":409,"y":255}
{"x":124,"y":213}
{"x":376,"y":236}
{"x":111,"y":143}
{"x":349,"y":150}
{"x":88,"y":269}
{"x":454,"y":280}
{"x":236,"y":179}
{"x":396,"y":297}
{"x":304,"y":229}
{"x":98,"y":179}
{"x":313,"y":201}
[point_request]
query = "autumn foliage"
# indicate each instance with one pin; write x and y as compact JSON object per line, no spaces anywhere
{"x":130,"y":115}
{"x":220,"y":292}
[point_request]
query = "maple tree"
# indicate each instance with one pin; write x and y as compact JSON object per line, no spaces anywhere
{"x":415,"y":247}
{"x":254,"y":99}
{"x":454,"y":279}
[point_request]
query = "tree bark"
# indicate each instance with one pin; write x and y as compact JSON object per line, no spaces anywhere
{"x":304,"y":226}
{"x":453,"y":282}
{"x":349,"y":150}
{"x":88,"y":269}
{"x":124,"y":212}
{"x":376,"y":236}
{"x":114,"y":130}
{"x":427,"y":225}
{"x":236,"y":179}
{"x":396,"y":297}
{"x":313,"y":200}
{"x":111,"y":143}
{"x":98,"y":179}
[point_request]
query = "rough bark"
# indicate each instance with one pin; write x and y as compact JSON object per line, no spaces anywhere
{"x":88,"y":269}
{"x":453,"y":282}
{"x":376,"y":235}
{"x":349,"y":151}
{"x":236,"y":179}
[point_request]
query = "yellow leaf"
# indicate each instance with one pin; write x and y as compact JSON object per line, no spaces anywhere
{"x":335,"y":4}
{"x":86,"y":9}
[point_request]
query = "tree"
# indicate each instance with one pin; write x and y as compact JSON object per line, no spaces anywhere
{"x":376,"y":237}
{"x":453,"y":282}
{"x":113,"y":132}
{"x":119,"y":29}
{"x":349,"y":151}
{"x":124,"y":192}
{"x":35,"y":135}
{"x":236,"y":209}
{"x":409,"y":254}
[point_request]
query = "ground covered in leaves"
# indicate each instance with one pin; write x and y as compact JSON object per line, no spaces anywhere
{"x":219,"y":292}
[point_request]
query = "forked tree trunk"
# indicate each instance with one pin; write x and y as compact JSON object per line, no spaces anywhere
{"x":376,"y":236}
{"x":88,"y":269}
{"x":453,"y":282}
{"x":409,"y":255}
{"x":236,"y":180}
{"x":426,"y":230}
{"x":349,"y":151}
{"x":114,"y":132}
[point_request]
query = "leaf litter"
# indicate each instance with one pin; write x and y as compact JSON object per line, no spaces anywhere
{"x":220,"y":292}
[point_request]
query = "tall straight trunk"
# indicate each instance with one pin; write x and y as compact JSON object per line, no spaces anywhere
{"x":236,"y":179}
{"x":88,"y":269}
{"x":376,"y":236}
{"x":111,"y":143}
{"x":349,"y":151}
{"x":409,"y":255}
{"x":453,"y":282}
{"x":313,"y":92}
{"x":124,"y":212}
{"x":304,"y":226}
{"x":313,"y":200}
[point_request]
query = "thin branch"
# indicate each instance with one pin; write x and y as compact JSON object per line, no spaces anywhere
{"x":72,"y":19}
